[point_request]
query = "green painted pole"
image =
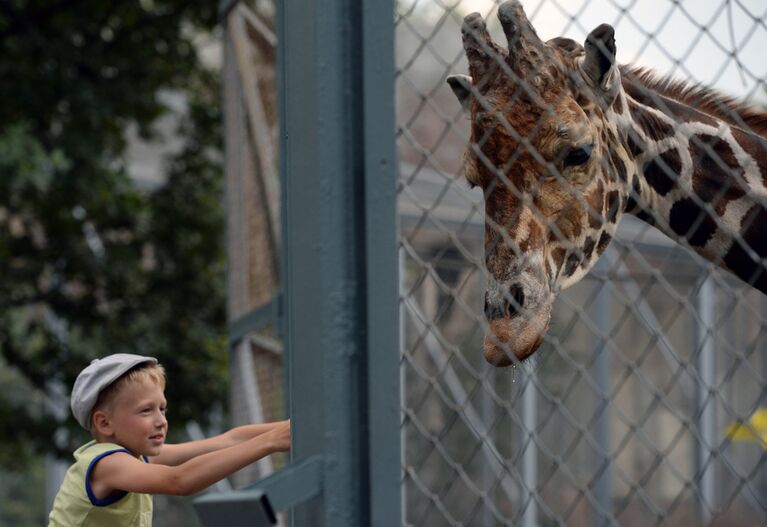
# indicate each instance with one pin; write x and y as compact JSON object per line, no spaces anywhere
{"x":338,"y":165}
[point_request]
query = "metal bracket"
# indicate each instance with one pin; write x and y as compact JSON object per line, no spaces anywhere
{"x":254,"y":320}
{"x":239,"y":508}
{"x":287,"y":488}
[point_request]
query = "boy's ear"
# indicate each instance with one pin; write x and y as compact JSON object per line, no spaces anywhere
{"x":101,"y":423}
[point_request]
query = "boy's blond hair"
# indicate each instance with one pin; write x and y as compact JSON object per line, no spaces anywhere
{"x":146,"y":372}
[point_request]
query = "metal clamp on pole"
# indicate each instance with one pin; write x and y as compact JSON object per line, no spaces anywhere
{"x":257,"y":505}
{"x":250,"y":508}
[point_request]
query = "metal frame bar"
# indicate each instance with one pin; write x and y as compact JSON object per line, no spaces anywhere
{"x":242,"y":508}
{"x":242,"y":357}
{"x":288,"y":487}
{"x":603,"y":485}
{"x":254,"y":320}
{"x":382,"y":280}
{"x":260,"y":133}
{"x":705,"y":400}
{"x":529,"y":470}
{"x":337,"y":123}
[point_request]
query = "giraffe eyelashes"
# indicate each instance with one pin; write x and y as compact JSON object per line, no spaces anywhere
{"x":578,"y":156}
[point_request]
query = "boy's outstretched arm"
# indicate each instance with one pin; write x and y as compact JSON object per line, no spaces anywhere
{"x":124,"y":472}
{"x":175,"y":454}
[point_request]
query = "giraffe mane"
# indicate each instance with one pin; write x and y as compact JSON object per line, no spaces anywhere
{"x":638,"y":80}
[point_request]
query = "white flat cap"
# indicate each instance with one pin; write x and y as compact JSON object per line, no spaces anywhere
{"x":99,"y":374}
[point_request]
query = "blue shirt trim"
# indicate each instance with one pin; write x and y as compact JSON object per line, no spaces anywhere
{"x":106,"y":501}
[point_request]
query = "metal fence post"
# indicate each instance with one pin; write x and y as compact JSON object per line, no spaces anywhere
{"x":601,"y":369}
{"x":530,"y":453}
{"x":338,"y":162}
{"x":488,"y":416}
{"x":384,"y":411}
{"x":705,"y":412}
{"x":401,"y":264}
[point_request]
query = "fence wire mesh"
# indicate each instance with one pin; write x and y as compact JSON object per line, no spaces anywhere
{"x":645,"y":403}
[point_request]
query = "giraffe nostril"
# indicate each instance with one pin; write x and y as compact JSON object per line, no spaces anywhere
{"x":492,"y":312}
{"x":515,"y":300}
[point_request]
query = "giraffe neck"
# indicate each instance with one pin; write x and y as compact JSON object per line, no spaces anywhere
{"x":699,"y":179}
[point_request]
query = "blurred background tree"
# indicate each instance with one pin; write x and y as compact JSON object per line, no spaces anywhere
{"x":91,"y":262}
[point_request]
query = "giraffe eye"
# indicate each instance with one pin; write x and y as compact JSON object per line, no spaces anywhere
{"x":578,"y":156}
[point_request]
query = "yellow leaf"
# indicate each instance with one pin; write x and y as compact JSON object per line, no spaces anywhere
{"x":753,"y":430}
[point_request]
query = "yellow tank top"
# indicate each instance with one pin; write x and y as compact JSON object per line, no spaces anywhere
{"x":76,"y":506}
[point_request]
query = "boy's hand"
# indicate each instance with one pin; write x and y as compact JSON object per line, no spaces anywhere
{"x":279,"y":436}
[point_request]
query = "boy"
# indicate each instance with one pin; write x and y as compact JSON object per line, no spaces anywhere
{"x":119,"y":399}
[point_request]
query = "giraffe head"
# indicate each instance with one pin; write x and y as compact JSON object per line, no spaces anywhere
{"x":539,"y":150}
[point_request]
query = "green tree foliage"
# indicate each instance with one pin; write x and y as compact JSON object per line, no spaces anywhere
{"x":89,"y":263}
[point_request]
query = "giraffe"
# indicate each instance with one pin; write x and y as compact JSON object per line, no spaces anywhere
{"x":565,"y":141}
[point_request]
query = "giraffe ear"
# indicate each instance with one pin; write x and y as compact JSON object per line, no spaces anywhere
{"x":599,"y":60}
{"x":461,"y":86}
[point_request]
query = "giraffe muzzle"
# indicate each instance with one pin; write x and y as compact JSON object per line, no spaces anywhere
{"x":510,"y":341}
{"x":517,"y":322}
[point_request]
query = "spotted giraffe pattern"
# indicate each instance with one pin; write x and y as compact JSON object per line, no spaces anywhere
{"x":701,"y":179}
{"x":564,"y":142}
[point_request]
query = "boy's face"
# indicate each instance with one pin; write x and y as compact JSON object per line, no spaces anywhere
{"x":138,"y":418}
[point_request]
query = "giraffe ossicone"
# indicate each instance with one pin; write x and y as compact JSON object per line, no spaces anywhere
{"x":564,"y":141}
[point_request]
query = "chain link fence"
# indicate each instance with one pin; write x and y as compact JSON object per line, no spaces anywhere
{"x":645,"y":404}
